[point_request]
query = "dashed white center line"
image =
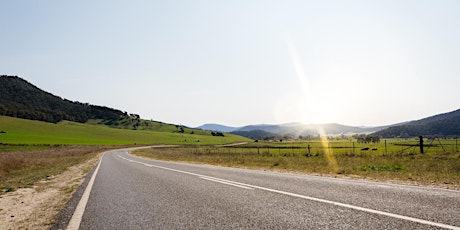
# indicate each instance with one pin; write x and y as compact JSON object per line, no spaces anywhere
{"x":224,"y":182}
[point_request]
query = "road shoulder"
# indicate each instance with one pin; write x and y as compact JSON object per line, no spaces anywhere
{"x":37,"y":207}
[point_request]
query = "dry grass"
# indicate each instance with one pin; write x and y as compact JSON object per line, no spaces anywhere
{"x":440,"y":169}
{"x":36,"y":207}
{"x":19,"y":169}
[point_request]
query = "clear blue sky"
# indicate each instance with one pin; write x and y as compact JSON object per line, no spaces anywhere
{"x":241,"y":62}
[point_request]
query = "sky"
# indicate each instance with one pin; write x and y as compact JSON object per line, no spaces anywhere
{"x":363,"y":63}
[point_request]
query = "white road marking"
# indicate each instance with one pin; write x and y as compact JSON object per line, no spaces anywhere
{"x":78,"y":214}
{"x":234,"y":183}
{"x":224,"y":182}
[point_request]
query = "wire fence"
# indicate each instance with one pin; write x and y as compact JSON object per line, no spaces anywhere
{"x":385,"y":146}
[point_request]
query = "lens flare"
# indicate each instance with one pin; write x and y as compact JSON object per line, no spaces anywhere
{"x":328,"y":153}
{"x":306,"y":101}
{"x":308,"y":105}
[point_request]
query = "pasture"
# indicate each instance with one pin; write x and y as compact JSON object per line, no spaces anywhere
{"x":28,"y":132}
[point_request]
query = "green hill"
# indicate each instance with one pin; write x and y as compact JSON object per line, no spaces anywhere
{"x":22,"y":131}
{"x":21,"y":99}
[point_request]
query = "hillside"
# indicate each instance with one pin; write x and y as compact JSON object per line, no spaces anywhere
{"x":444,"y":125}
{"x":257,"y":134}
{"x":21,"y":99}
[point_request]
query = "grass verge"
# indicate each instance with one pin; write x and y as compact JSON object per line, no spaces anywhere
{"x":23,"y":168}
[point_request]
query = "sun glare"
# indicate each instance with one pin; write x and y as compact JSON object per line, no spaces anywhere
{"x":312,"y":106}
{"x":308,"y":105}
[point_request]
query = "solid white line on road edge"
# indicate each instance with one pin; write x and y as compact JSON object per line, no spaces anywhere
{"x":77,"y":216}
{"x":397,"y":216}
{"x":224,"y":182}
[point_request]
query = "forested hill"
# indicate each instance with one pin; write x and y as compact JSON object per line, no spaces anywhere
{"x":443,"y":125}
{"x":19,"y":98}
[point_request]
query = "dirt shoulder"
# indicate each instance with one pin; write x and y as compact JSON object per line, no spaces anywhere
{"x":36,"y":207}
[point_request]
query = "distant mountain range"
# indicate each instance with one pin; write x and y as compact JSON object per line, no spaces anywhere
{"x":290,"y":130}
{"x":447,"y":124}
{"x":217,"y":127}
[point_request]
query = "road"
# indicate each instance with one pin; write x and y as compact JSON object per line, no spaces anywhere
{"x":136,"y":193}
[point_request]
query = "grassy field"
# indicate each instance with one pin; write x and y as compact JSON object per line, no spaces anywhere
{"x":336,"y":157}
{"x":20,"y":131}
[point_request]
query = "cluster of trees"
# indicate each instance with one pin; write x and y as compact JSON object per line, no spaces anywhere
{"x":180,"y":128}
{"x":21,"y":99}
{"x":217,"y":134}
{"x":362,"y":138}
{"x":126,"y":121}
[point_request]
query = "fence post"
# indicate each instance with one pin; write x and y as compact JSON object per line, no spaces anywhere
{"x":385,"y":146}
{"x":456,"y":144}
{"x":421,"y":144}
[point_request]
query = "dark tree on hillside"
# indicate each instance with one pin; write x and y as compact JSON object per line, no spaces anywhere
{"x":217,"y":134}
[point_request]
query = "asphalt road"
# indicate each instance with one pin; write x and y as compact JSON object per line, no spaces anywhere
{"x":137,"y":193}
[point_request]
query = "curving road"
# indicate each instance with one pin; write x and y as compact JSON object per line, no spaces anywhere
{"x":137,"y":193}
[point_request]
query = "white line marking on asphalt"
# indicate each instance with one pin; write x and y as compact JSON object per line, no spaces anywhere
{"x":397,"y":216}
{"x":78,"y":214}
{"x":224,"y":182}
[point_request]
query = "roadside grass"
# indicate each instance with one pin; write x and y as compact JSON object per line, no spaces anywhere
{"x":23,"y":147}
{"x":24,"y":168}
{"x":434,"y":168}
{"x":21,"y":131}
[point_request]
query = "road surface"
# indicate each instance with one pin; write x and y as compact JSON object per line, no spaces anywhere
{"x":136,"y":193}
